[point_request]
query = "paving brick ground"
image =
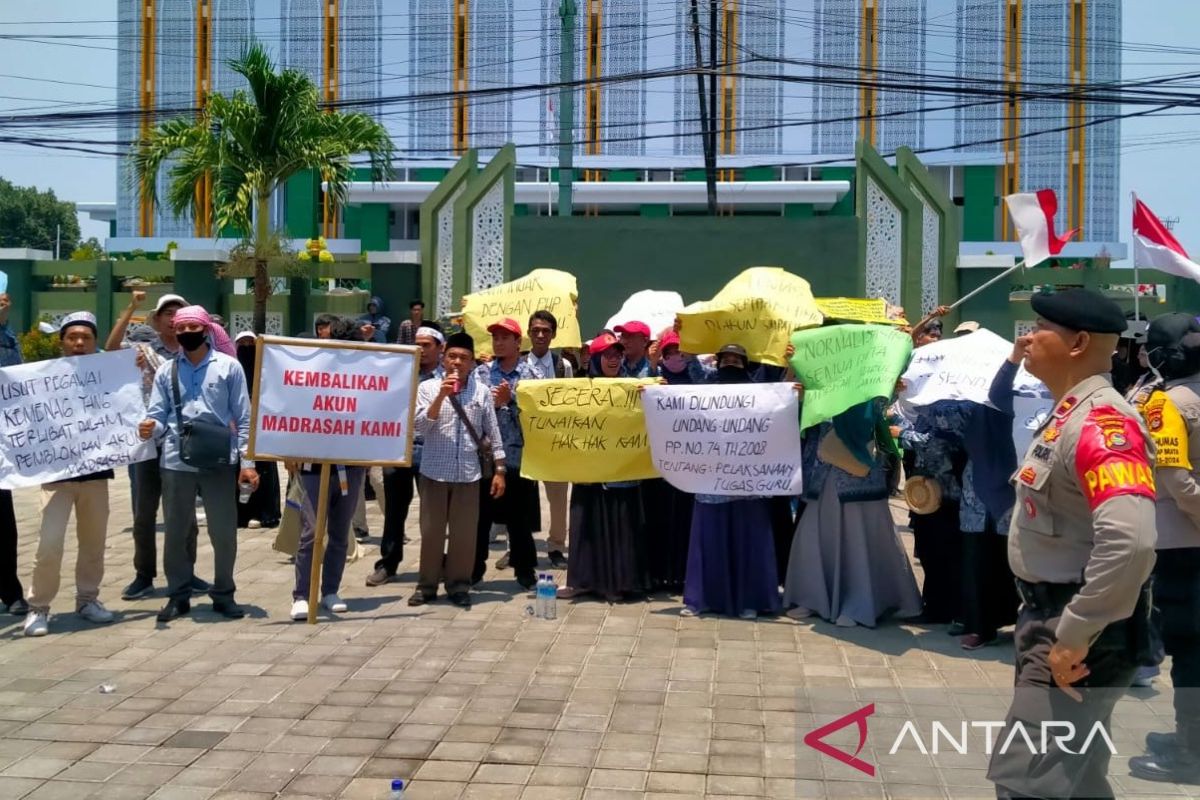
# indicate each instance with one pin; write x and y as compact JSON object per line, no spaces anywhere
{"x":625,"y":701}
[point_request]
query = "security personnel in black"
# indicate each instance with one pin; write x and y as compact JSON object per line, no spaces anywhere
{"x":1081,"y":547}
{"x":1172,"y":415}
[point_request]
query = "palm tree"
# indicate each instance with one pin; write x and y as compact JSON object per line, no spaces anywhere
{"x":252,"y":143}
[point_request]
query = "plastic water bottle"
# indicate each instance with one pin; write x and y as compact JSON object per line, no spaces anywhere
{"x":550,"y":610}
{"x":397,"y":790}
{"x":245,"y":489}
{"x":539,"y":596}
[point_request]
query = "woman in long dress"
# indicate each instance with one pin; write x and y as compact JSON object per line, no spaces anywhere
{"x":668,"y":510}
{"x":731,"y":565}
{"x":847,"y":564}
{"x":608,"y":542}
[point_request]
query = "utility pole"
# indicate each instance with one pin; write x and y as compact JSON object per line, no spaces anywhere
{"x":712,"y":83}
{"x":566,"y":107}
{"x":706,"y":128}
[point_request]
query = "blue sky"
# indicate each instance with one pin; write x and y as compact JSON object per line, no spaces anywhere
{"x":1156,"y":152}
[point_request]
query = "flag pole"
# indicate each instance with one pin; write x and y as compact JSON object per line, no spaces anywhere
{"x":1137,"y":283}
{"x":994,"y":280}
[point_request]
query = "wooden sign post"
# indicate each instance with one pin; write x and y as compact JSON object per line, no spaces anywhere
{"x":330,"y":402}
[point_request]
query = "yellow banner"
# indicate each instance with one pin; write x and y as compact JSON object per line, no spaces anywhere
{"x":855,"y":309}
{"x":758,"y":309}
{"x":584,"y":430}
{"x":541,"y":290}
{"x":1169,"y":431}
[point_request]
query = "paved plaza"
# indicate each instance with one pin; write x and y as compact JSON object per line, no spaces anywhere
{"x":606,"y":702}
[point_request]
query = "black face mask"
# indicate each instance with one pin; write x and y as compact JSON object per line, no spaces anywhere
{"x":731,"y":373}
{"x":191,"y":340}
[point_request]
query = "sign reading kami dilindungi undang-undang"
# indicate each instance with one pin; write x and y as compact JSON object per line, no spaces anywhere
{"x":733,"y":439}
{"x":68,"y":417}
{"x":317,"y":400}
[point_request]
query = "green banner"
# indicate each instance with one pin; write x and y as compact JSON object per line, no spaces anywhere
{"x":844,"y":365}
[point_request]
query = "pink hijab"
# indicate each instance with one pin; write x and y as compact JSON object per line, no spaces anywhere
{"x":216,"y":334}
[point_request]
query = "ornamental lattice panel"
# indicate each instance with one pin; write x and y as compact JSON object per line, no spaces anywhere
{"x":487,"y":239}
{"x":445,"y":252}
{"x":244,"y":321}
{"x":931,"y":252}
{"x":884,"y":241}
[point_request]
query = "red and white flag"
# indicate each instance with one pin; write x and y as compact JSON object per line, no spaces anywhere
{"x":1033,"y":216}
{"x":1154,"y":246}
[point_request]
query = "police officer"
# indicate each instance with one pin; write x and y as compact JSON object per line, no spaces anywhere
{"x":1081,"y":547}
{"x":1173,"y":418}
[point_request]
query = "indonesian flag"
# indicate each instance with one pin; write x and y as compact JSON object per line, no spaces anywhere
{"x":1033,"y":216}
{"x":1155,"y":247}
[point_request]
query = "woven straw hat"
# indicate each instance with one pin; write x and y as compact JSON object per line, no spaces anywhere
{"x":923,"y":495}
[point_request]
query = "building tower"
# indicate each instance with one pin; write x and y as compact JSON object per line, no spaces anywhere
{"x":171,"y":56}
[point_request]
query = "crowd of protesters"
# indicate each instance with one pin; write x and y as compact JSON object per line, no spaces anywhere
{"x":833,"y":553}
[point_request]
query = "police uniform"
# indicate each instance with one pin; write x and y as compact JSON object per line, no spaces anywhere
{"x":1172,"y":415}
{"x":1081,"y":546}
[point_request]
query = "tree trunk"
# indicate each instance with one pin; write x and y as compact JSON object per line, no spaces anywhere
{"x":262,"y":281}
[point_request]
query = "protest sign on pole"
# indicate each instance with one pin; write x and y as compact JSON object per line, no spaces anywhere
{"x":322,"y":401}
{"x":739,"y":440}
{"x":584,"y":431}
{"x":855,"y":309}
{"x":325,"y":401}
{"x":541,"y":290}
{"x":758,"y":310}
{"x":656,"y":309}
{"x":68,"y":417}
{"x":844,"y":365}
{"x":961,"y":368}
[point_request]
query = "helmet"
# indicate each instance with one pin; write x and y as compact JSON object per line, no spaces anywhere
{"x":1173,"y":345}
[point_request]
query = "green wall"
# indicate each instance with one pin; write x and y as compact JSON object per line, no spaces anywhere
{"x":613,"y":257}
{"x":979,"y":204}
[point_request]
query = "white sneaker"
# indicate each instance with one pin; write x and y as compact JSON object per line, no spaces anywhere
{"x":253,"y":524}
{"x":800,"y":612}
{"x":95,"y":611}
{"x":333,"y":603}
{"x":845,"y":622}
{"x":37,"y":623}
{"x":688,"y":611}
{"x":748,"y":613}
{"x":299,"y":610}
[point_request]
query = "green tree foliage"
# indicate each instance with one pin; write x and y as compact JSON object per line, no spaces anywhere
{"x":29,"y":218}
{"x":252,"y":142}
{"x":91,"y":250}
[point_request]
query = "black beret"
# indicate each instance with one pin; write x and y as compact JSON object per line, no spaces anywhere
{"x":461,"y":339}
{"x":1080,"y":310}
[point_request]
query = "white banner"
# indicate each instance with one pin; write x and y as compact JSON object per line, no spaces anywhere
{"x":1028,"y":414}
{"x":1026,"y":385}
{"x":317,"y":400}
{"x":741,"y":440}
{"x":656,"y":309}
{"x":69,"y":417}
{"x":961,"y":368}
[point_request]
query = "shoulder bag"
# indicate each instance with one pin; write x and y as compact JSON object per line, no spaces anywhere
{"x":483,"y":444}
{"x":203,"y":445}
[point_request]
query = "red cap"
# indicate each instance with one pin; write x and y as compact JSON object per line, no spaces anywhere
{"x":603,"y":342}
{"x":668,"y":339}
{"x":634,"y":327}
{"x":507,"y":325}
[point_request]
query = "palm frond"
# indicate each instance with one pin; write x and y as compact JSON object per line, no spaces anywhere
{"x":256,"y":138}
